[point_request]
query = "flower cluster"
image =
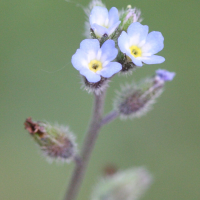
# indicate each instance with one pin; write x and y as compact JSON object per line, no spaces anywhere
{"x":117,"y":43}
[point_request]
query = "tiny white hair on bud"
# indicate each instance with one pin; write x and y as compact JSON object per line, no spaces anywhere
{"x":92,"y":88}
{"x":126,"y":73}
{"x":132,"y":101}
{"x":129,"y":16}
{"x":127,"y":185}
{"x":77,"y":4}
{"x":58,"y":145}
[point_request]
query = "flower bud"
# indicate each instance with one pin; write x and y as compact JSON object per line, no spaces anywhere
{"x":129,"y":16}
{"x":136,"y":100}
{"x":124,"y":185}
{"x":127,"y":65}
{"x":56,"y":142}
{"x":164,"y":75}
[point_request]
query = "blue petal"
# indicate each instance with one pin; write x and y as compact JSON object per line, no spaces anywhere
{"x":109,"y":52}
{"x":90,"y":46}
{"x":110,"y":69}
{"x":154,"y":59}
{"x":123,"y":42}
{"x":113,"y":16}
{"x":154,"y":43}
{"x":99,"y":30}
{"x":90,"y":76}
{"x":98,"y":15}
{"x":165,"y":75}
{"x":138,"y":33}
{"x":79,"y":59}
{"x":113,"y":27}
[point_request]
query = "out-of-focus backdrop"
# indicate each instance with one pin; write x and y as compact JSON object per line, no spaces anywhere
{"x":37,"y":79}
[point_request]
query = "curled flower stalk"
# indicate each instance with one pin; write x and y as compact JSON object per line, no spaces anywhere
{"x":116,"y":43}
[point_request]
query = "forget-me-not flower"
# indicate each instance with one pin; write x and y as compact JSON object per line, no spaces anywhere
{"x":94,"y":62}
{"x":165,"y":75}
{"x":104,"y":22}
{"x":140,"y":46}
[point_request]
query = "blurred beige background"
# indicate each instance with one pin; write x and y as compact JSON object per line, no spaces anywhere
{"x":37,"y":79}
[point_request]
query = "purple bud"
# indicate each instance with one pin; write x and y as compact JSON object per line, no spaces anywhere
{"x":165,"y":75}
{"x":135,"y":100}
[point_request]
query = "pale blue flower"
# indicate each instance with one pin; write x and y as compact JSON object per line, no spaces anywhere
{"x":139,"y":46}
{"x":104,"y":22}
{"x":165,"y":75}
{"x":94,"y":62}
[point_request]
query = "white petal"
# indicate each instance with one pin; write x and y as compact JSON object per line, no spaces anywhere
{"x":154,"y":59}
{"x":99,"y":30}
{"x":79,"y":59}
{"x":109,"y":52}
{"x":154,"y":43}
{"x":91,"y":47}
{"x":90,"y":76}
{"x":113,"y":16}
{"x":138,"y":33}
{"x":110,"y":69}
{"x":99,"y":15}
{"x":123,"y":42}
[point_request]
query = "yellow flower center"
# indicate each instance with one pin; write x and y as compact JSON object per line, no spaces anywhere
{"x":95,"y":65}
{"x":135,"y":51}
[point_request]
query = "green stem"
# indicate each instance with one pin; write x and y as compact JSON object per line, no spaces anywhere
{"x":87,"y":148}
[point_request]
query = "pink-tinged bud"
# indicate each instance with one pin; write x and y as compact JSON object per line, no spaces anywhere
{"x":135,"y":100}
{"x":123,"y":185}
{"x":133,"y":14}
{"x":56,"y":142}
{"x":129,"y":16}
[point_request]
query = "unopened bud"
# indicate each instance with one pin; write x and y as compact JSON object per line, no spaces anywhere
{"x":136,"y":100}
{"x":124,"y":185}
{"x":165,"y":75}
{"x":97,"y":87}
{"x":56,"y":142}
{"x":129,"y":16}
{"x":127,"y":65}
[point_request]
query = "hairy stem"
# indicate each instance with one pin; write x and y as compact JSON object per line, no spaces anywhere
{"x":109,"y":117}
{"x":87,"y":148}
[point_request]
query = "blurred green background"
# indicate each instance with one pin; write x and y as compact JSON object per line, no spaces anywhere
{"x":37,"y":79}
